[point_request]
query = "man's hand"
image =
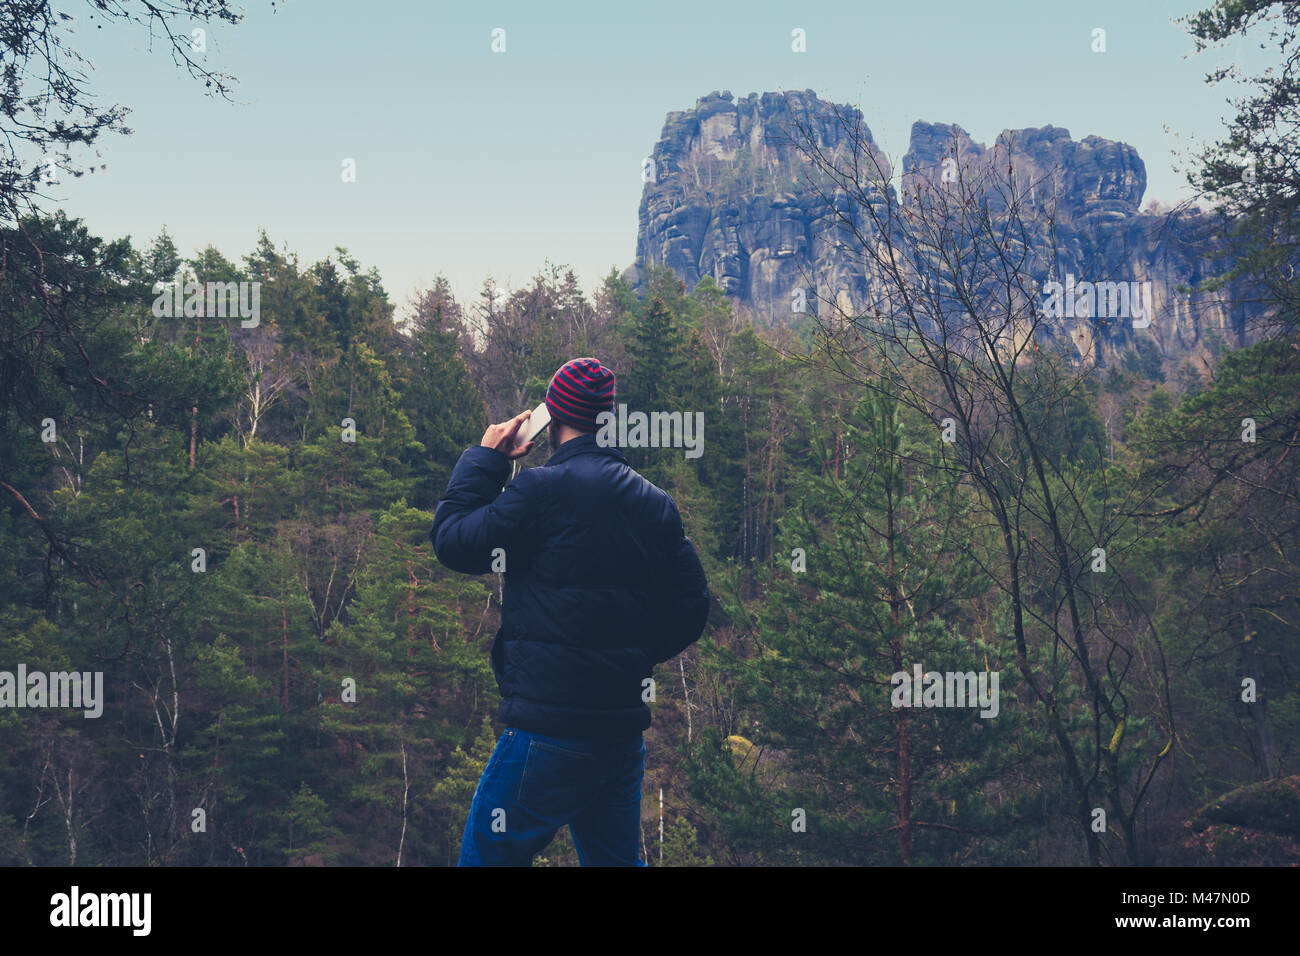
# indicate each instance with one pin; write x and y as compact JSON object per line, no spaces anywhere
{"x":502,"y":437}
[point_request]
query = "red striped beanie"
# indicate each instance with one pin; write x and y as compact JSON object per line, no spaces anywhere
{"x":579,"y":391}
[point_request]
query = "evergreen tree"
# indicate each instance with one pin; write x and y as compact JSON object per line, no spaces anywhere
{"x":869,"y":583}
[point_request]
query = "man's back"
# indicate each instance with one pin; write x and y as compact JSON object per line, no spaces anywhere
{"x":600,"y":583}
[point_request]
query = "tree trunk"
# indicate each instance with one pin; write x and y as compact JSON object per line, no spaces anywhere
{"x":1268,"y":758}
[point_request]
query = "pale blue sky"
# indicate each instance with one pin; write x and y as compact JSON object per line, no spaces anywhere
{"x":474,"y":164}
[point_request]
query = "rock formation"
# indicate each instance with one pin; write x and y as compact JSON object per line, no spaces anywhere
{"x":731,"y":194}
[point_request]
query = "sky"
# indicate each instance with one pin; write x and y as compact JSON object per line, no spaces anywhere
{"x":474,"y":163}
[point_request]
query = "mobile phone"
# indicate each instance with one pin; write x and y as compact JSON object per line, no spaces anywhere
{"x":536,"y":424}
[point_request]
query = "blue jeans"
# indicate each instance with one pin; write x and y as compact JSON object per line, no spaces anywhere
{"x":533,"y":785}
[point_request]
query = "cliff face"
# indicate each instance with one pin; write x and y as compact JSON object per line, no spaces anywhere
{"x":728,"y":198}
{"x":730,"y":195}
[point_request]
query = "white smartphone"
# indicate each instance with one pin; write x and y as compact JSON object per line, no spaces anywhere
{"x":536,"y":424}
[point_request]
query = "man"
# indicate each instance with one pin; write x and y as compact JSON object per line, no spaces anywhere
{"x":601,"y":585}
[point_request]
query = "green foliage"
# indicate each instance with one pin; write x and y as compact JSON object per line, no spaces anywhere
{"x":228,"y":675}
{"x":883,"y":591}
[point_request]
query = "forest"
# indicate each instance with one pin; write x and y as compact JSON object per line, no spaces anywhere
{"x":229,"y":519}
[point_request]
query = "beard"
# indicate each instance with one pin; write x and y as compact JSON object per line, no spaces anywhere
{"x":552,"y":439}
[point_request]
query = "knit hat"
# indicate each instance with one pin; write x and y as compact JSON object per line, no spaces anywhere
{"x":579,"y":391}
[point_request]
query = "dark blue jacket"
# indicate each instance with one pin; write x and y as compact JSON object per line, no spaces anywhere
{"x":600,"y":582}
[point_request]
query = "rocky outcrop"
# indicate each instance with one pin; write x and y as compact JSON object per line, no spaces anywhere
{"x":730,"y":194}
{"x":729,"y":197}
{"x":1254,"y":825}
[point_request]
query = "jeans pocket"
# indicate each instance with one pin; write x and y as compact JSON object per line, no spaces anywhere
{"x":556,"y":783}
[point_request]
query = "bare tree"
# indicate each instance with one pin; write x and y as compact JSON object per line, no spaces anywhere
{"x":522,"y":337}
{"x":954,"y":321}
{"x":46,"y":106}
{"x":267,"y":372}
{"x":72,"y":770}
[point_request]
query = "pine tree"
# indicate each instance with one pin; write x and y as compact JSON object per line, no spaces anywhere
{"x":882,"y":591}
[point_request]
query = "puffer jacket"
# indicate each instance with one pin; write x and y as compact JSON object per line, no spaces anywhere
{"x":600,"y":585}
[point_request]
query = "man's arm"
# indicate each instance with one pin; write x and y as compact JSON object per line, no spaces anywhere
{"x":474,"y":516}
{"x":685,"y":590}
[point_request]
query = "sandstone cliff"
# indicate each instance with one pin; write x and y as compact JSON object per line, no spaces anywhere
{"x":731,"y":195}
